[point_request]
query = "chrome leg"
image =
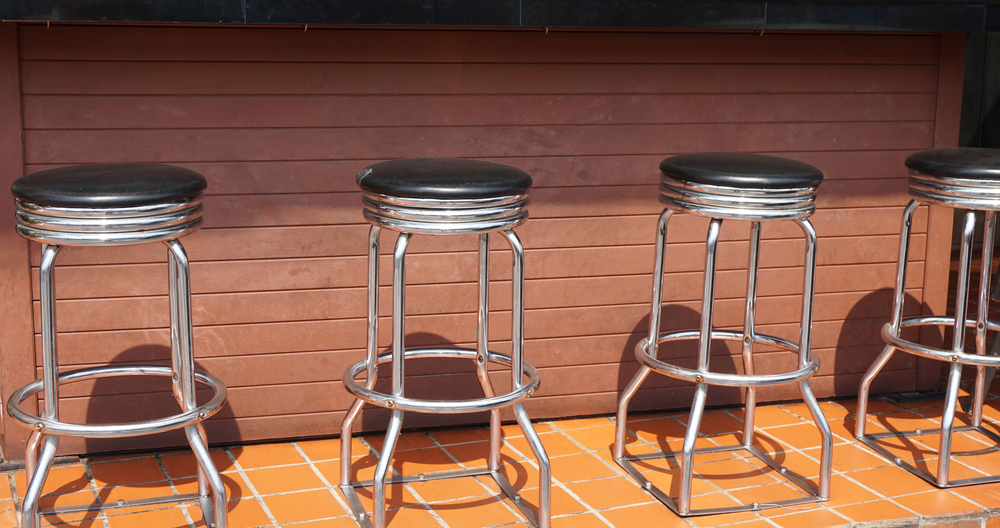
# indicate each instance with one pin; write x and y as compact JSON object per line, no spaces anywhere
{"x":979,"y":394}
{"x":544,"y":468}
{"x":382,"y":468}
{"x":958,"y":345}
{"x":482,"y":347}
{"x":899,"y":296}
{"x":517,"y":380}
{"x":372,"y":357}
{"x":50,"y":353}
{"x":704,"y":347}
{"x":753,"y":265}
{"x":212,"y":494}
{"x":398,"y":372}
{"x":213,"y":506}
{"x":805,"y":353}
{"x":621,"y":419}
{"x":30,"y":516}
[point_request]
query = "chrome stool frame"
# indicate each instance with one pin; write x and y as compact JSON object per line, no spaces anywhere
{"x":55,"y":227}
{"x":975,"y":195}
{"x":719,"y":203}
{"x":411,"y":216}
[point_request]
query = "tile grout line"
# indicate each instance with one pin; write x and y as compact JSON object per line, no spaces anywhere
{"x":618,"y":473}
{"x":322,"y":478}
{"x":173,"y":490}
{"x":250,"y":486}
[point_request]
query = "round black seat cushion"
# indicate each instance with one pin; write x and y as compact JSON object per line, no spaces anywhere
{"x":109,"y":185}
{"x":443,"y":178}
{"x":971,"y":163}
{"x":742,"y":171}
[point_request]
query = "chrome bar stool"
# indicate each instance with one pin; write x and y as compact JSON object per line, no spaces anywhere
{"x":729,"y":186}
{"x":115,"y":205}
{"x":440,"y":196}
{"x":967,"y":178}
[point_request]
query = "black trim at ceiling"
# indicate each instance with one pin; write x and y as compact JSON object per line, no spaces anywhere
{"x":915,"y":15}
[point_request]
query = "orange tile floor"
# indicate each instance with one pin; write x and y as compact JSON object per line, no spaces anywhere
{"x":293,"y":483}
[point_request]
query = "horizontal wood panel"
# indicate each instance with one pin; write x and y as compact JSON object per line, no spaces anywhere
{"x":284,"y":45}
{"x":774,"y":285}
{"x":304,"y":336}
{"x":147,"y":112}
{"x":105,"y":281}
{"x":187,"y":78}
{"x":166,"y":146}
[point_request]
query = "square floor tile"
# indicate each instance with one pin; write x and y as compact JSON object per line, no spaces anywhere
{"x":266,"y":455}
{"x":303,"y":506}
{"x":268,"y":481}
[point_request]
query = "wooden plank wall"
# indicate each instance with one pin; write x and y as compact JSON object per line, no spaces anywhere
{"x":280,"y":120}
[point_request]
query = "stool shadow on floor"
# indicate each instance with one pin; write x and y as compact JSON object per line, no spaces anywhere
{"x":424,"y":378}
{"x":136,"y":398}
{"x":859,"y":344}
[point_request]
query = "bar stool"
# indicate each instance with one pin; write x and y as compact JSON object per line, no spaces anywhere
{"x":730,"y":186}
{"x":440,"y":196}
{"x":115,"y":205}
{"x":967,"y":178}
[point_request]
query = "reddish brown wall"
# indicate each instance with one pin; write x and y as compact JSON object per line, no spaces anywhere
{"x":280,"y":120}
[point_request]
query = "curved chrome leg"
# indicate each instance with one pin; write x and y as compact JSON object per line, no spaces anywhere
{"x":372,"y":357}
{"x":979,"y":394}
{"x":826,"y":435}
{"x":382,"y":468}
{"x":897,"y":317}
{"x":805,"y":353}
{"x":544,"y":468}
{"x":652,"y":338}
{"x":704,"y":347}
{"x":30,"y":517}
{"x":214,"y":505}
{"x":958,"y":345}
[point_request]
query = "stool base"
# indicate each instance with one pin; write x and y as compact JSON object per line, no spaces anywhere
{"x":626,"y":463}
{"x":870,"y":441}
{"x":361,"y":515}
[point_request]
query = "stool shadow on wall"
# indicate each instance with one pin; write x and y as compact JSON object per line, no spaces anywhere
{"x":138,"y":398}
{"x":860,"y":342}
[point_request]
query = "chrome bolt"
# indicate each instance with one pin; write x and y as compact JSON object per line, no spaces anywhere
{"x":531,"y":392}
{"x":480,"y":359}
{"x":698,"y":378}
{"x":746,"y":339}
{"x":121,"y":502}
{"x":39,"y":427}
{"x":898,"y":460}
{"x":175,"y":377}
{"x":918,"y":431}
{"x":954,"y":359}
{"x":980,"y":326}
{"x":648,"y":485}
{"x":390,"y":404}
{"x":202,"y":415}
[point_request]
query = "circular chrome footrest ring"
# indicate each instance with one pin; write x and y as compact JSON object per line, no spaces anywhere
{"x":441,"y":406}
{"x":436,"y":216}
{"x":948,"y":356}
{"x":119,"y":430}
{"x":738,"y":204}
{"x":715,"y":378}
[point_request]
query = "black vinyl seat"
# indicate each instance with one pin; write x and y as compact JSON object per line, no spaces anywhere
{"x":743,"y":171}
{"x":444,"y":178}
{"x":109,"y":185}
{"x":969,"y":163}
